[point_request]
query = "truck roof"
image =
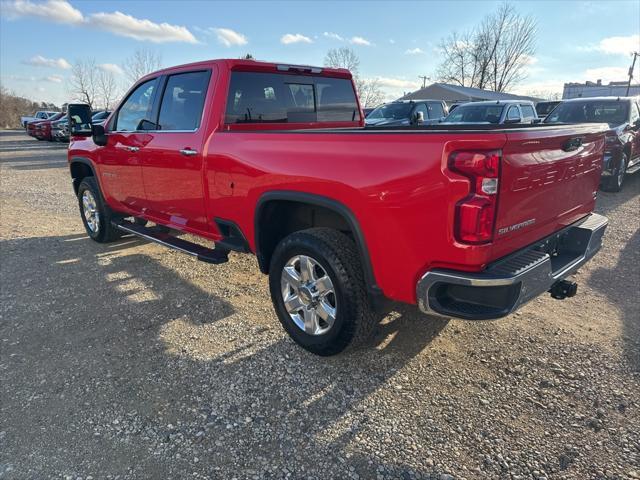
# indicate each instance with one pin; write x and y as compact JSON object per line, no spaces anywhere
{"x":255,"y":65}
{"x":599,"y":99}
{"x":499,"y":102}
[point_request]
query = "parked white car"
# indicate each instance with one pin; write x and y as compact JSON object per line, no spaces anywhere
{"x":40,"y":115}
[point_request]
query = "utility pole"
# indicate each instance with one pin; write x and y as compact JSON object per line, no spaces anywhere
{"x":633,"y":64}
{"x":424,"y":80}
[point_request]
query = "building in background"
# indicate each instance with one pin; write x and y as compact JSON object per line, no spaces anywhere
{"x":597,"y":89}
{"x":457,"y":94}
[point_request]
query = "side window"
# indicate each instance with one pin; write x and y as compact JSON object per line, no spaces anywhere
{"x":435,"y":110}
{"x":183,"y":100}
{"x":527,"y":111}
{"x":513,"y":113}
{"x":421,"y":107}
{"x":137,"y":108}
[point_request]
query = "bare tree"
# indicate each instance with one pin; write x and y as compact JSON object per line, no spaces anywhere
{"x":494,"y":55}
{"x":83,"y":83}
{"x":140,"y":63}
{"x":108,"y":91}
{"x":369,"y":93}
{"x":343,"y":58}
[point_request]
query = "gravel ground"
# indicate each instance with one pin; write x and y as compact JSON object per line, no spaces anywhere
{"x":131,"y":361}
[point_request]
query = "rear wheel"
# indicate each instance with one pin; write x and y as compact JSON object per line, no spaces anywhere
{"x":615,"y":181}
{"x":318,"y":291}
{"x":96,"y":214}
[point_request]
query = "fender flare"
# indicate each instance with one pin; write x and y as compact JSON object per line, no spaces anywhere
{"x":341,"y":209}
{"x":90,"y":164}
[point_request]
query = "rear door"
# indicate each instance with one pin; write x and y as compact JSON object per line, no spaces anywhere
{"x":549,"y":179}
{"x":173,"y":160}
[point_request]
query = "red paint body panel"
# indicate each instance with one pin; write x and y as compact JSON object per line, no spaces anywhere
{"x":396,"y":183}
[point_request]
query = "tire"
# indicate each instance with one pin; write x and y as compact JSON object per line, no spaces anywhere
{"x":101,"y":230}
{"x":614,"y":182}
{"x":336,"y":257}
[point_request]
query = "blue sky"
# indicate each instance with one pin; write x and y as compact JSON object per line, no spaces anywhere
{"x":396,"y":41}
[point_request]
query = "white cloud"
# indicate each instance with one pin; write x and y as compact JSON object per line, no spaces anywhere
{"x":140,"y":29}
{"x":392,"y":41}
{"x":54,"y":78}
{"x":333,"y":36}
{"x":40,"y":61}
{"x":118,"y":23}
{"x":397,"y":83}
{"x":360,"y":41}
{"x":111,"y":68}
{"x":606,"y":74}
{"x":394,"y":88}
{"x":230,"y":38}
{"x":59,"y":11}
{"x":619,"y":45}
{"x":414,"y":51}
{"x":290,"y":38}
{"x":544,"y":88}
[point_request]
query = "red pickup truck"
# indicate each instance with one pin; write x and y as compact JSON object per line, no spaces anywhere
{"x":464,"y":221}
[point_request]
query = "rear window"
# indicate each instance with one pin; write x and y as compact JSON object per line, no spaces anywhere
{"x":276,"y":98}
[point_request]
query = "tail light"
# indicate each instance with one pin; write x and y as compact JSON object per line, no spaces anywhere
{"x":476,"y":213}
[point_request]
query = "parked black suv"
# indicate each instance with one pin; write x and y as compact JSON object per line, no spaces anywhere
{"x":622,"y":149}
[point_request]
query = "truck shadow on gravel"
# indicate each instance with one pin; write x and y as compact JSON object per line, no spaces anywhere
{"x":614,"y":283}
{"x":91,"y":372}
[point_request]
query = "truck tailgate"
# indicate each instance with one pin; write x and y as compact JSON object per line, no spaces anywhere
{"x":549,"y":179}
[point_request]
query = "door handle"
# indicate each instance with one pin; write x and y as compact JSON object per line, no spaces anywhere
{"x":187,"y":152}
{"x":132,"y":149}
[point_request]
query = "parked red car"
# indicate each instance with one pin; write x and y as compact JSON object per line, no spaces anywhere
{"x":464,"y":221}
{"x":38,"y":129}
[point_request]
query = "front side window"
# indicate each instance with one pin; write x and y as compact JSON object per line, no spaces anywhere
{"x":513,"y":113}
{"x":135,"y":113}
{"x":183,"y":100}
{"x":281,"y":98}
{"x":435,"y":110}
{"x":527,"y":111}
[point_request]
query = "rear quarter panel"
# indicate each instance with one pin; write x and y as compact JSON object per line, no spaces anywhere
{"x":396,"y":184}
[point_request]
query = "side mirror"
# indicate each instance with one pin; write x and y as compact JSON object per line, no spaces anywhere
{"x":419,"y":117}
{"x":509,"y":121}
{"x":99,"y":135}
{"x":79,"y":120}
{"x":537,"y":120}
{"x":636,"y":124}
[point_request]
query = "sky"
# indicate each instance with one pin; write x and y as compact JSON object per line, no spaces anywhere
{"x":396,"y":41}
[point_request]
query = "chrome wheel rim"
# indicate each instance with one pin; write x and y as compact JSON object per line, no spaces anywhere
{"x":90,"y":211}
{"x":308,"y":295}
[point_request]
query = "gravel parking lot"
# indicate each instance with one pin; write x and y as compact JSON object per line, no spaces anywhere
{"x":128,"y":360}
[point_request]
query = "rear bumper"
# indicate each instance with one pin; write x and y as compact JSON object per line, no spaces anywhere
{"x":511,"y":282}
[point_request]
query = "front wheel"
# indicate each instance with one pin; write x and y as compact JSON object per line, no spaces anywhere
{"x":96,"y":214}
{"x":318,"y":291}
{"x":615,"y":181}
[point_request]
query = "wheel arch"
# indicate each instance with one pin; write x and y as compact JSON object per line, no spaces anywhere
{"x":266,"y":241}
{"x":79,"y":168}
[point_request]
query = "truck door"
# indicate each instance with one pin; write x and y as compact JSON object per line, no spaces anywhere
{"x":121,"y":158}
{"x":173,"y":159}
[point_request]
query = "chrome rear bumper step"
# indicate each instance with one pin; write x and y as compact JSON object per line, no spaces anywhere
{"x":509,"y":283}
{"x":204,"y":254}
